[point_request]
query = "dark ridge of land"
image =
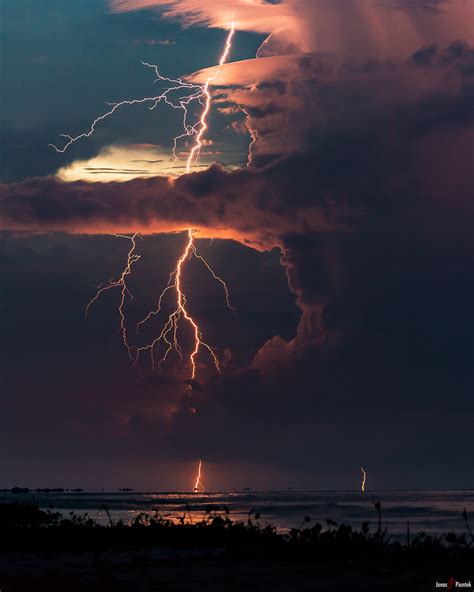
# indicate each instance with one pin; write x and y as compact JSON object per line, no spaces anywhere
{"x":25,"y":490}
{"x":46,"y":551}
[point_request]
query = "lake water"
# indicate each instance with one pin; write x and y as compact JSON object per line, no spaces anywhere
{"x":433,"y":512}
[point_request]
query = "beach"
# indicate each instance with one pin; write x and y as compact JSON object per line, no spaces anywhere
{"x":218,"y":549}
{"x":167,"y":570}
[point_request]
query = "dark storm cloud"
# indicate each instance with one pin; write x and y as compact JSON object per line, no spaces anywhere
{"x":362,"y":173}
{"x":364,"y":189}
{"x":245,"y":205}
{"x":81,"y":397}
{"x":387,"y":331}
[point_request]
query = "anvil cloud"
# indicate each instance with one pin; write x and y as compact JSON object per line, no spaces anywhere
{"x":388,"y":28}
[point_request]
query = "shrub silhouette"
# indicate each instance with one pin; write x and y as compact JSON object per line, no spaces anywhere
{"x":25,"y":526}
{"x":22,"y":514}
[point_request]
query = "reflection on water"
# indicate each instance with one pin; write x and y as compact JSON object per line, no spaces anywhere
{"x":430,"y":511}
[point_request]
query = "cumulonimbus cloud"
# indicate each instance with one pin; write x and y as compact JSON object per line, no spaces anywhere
{"x":343,"y":151}
{"x":355,"y":28}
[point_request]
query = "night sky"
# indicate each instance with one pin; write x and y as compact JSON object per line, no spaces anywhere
{"x":335,"y":196}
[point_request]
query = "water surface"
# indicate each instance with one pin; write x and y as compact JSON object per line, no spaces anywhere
{"x":433,"y":512}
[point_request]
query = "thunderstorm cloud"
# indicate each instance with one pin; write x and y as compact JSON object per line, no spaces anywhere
{"x":360,"y":171}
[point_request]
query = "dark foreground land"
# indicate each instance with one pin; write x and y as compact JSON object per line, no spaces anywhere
{"x":43,"y":551}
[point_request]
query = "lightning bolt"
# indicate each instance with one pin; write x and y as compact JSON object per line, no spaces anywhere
{"x":192,"y":92}
{"x":364,"y":478}
{"x":198,"y":486}
{"x":170,"y":330}
{"x":188,"y":92}
{"x":202,"y":127}
{"x":171,"y":326}
{"x":124,"y":290}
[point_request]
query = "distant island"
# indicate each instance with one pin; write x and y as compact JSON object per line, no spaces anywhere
{"x":24,"y":490}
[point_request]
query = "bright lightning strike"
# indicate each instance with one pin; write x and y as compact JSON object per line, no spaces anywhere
{"x":188,"y":92}
{"x":198,"y":486}
{"x":192,"y":92}
{"x":171,"y":327}
{"x":169,"y":333}
{"x":194,"y":154}
{"x":364,"y":479}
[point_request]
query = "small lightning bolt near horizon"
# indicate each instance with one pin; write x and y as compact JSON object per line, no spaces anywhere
{"x":188,"y":92}
{"x":198,"y":483}
{"x":364,"y":479}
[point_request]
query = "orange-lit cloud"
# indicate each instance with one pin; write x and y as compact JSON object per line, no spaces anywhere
{"x":386,"y":30}
{"x":118,"y":163}
{"x":215,"y":203}
{"x":250,"y":15}
{"x":356,"y":28}
{"x":122,"y":163}
{"x":245,"y":72}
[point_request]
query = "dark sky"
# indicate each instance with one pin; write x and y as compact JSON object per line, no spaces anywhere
{"x":344,"y":188}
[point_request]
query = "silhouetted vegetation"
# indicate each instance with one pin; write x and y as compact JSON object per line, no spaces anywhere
{"x":18,"y":515}
{"x":17,"y":490}
{"x":25,"y":526}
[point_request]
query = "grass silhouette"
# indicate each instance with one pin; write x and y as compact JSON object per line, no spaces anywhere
{"x":24,"y":526}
